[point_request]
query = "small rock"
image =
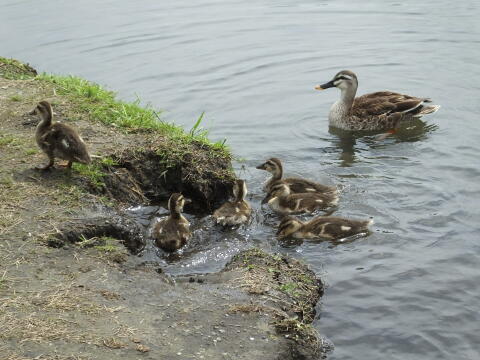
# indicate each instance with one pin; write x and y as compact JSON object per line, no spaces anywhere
{"x":142,"y":348}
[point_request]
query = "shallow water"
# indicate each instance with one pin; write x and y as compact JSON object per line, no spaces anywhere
{"x":408,"y":290}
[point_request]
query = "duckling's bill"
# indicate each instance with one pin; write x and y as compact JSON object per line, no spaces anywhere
{"x":262,"y":166}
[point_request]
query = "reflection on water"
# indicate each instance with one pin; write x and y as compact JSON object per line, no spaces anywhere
{"x":409,"y":131}
{"x":409,"y":290}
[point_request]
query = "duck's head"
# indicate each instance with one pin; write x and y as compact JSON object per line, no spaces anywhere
{"x":279,"y":189}
{"x":272,"y":165}
{"x":240,"y":190}
{"x":345,"y":79}
{"x":44,"y":110}
{"x":176,"y":203}
{"x":288,"y":226}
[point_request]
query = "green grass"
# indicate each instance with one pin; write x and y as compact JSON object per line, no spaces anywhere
{"x":31,"y":151}
{"x":7,"y":140}
{"x":109,"y":245}
{"x":108,"y":161}
{"x":16,"y":98}
{"x":93,"y":172}
{"x":289,"y":288}
{"x":109,"y":248}
{"x":15,"y":70}
{"x":102,"y":105}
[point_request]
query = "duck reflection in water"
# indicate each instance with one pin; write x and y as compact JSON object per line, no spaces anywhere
{"x":352,"y":142}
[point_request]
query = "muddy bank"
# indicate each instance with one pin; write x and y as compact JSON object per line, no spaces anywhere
{"x":70,"y":286}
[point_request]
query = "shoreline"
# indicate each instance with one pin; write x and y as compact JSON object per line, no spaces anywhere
{"x":71,"y":284}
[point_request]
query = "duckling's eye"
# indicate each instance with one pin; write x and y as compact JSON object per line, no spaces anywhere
{"x":343,"y":77}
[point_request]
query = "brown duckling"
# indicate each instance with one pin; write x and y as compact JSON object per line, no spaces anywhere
{"x":58,"y":140}
{"x":296,"y":185}
{"x":172,"y":232}
{"x":283,"y":202}
{"x":328,"y":227}
{"x":235,"y":212}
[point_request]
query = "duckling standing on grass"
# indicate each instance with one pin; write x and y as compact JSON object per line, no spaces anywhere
{"x":172,"y":232}
{"x":328,"y":227}
{"x":235,"y":212}
{"x":283,"y":202}
{"x":58,"y":140}
{"x":383,"y":110}
{"x":296,"y":185}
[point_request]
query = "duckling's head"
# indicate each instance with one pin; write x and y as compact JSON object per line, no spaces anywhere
{"x":343,"y":80}
{"x":272,"y":165}
{"x":44,"y":110}
{"x":176,"y":203}
{"x":240,"y":190}
{"x":279,"y":189}
{"x":288,"y":226}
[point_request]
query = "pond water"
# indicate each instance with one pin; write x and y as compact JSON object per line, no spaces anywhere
{"x":410,"y":289}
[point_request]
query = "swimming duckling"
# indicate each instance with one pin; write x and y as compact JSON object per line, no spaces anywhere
{"x":296,"y":185}
{"x":172,"y":232}
{"x":383,"y":110}
{"x":283,"y":202}
{"x":58,"y":140}
{"x":328,"y":227}
{"x":235,"y":212}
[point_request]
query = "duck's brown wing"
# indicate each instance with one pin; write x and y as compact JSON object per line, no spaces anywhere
{"x":227,"y":209}
{"x":67,"y":143}
{"x":336,"y":227}
{"x":311,"y":201}
{"x":169,"y":235}
{"x":385,"y":103}
{"x":245,"y":208}
{"x":299,"y":185}
{"x":233,"y":213}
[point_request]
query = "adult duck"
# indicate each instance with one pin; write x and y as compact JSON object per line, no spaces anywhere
{"x":383,"y":110}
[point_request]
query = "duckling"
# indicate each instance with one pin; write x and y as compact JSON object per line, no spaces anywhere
{"x":383,"y":110}
{"x":172,"y":232}
{"x":328,"y":227}
{"x":283,"y":202}
{"x":58,"y":140}
{"x":235,"y":212}
{"x":296,"y":185}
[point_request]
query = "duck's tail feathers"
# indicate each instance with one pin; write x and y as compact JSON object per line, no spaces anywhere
{"x":335,"y":199}
{"x":427,"y":110}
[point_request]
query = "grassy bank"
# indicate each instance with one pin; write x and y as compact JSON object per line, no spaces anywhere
{"x":166,"y":158}
{"x":102,"y":105}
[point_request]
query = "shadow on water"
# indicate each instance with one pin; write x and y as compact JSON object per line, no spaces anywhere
{"x":352,"y":142}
